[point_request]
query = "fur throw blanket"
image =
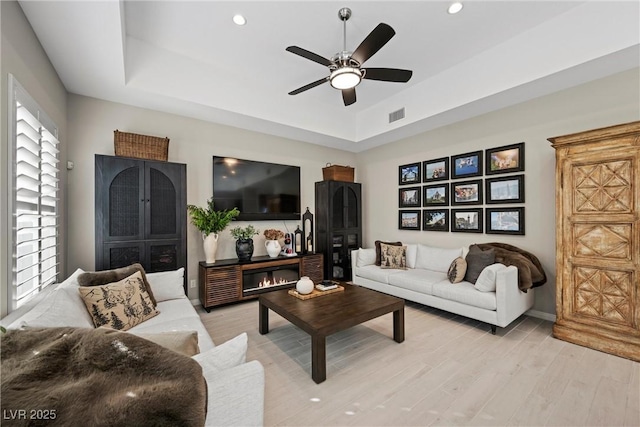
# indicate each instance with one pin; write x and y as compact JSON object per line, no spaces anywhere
{"x":97,"y":377}
{"x":530,"y":271}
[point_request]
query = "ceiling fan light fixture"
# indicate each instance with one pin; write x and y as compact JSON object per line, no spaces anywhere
{"x":455,"y":8}
{"x":239,"y":19}
{"x":345,"y":77}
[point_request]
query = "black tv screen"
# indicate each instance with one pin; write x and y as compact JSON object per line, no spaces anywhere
{"x":261,"y":191}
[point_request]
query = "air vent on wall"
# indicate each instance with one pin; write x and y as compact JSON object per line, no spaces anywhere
{"x":396,"y":115}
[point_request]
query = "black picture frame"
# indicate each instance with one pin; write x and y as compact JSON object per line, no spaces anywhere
{"x":466,"y":193}
{"x":409,"y":219}
{"x":505,"y":159}
{"x":409,"y":197}
{"x":435,"y":170}
{"x":409,"y":174}
{"x":435,"y":195}
{"x":466,"y":165}
{"x":435,"y":220}
{"x":467,"y":220}
{"x":505,"y":220}
{"x":504,"y":189}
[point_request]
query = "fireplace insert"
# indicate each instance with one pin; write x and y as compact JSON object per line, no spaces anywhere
{"x":266,"y":279}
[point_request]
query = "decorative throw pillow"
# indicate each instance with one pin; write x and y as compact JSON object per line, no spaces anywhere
{"x":487,"y":279}
{"x":224,"y":356}
{"x":97,"y":278}
{"x":183,"y":342}
{"x":366,"y":257}
{"x":477,"y":260}
{"x":121,"y":305}
{"x":392,"y":256}
{"x":378,"y":243}
{"x":167,"y":285}
{"x":457,"y":270}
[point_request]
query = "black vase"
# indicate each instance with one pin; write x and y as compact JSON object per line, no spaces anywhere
{"x":244,"y":249}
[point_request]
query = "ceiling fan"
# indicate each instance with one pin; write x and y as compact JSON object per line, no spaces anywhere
{"x":345,"y":67}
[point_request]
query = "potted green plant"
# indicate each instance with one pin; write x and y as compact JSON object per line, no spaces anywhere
{"x":210,"y":222}
{"x":244,"y":241}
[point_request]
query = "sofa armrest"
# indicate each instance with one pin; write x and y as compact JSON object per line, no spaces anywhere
{"x":510,"y":300}
{"x":236,"y":396}
{"x":354,"y":263}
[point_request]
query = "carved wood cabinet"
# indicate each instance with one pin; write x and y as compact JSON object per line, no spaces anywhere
{"x":598,"y":239}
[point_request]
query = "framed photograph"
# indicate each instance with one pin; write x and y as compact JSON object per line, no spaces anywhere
{"x":466,"y":220}
{"x":466,"y":165}
{"x":506,"y":159}
{"x":435,"y":170}
{"x":409,"y":220}
{"x":505,"y":221}
{"x":409,"y":197}
{"x":466,"y":192}
{"x":409,"y":174}
{"x":435,"y":220}
{"x":436,"y":195}
{"x":508,"y":189}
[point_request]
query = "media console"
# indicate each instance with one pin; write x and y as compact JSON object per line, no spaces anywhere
{"x":230,"y":280}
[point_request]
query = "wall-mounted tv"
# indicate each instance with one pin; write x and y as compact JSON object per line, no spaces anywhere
{"x":261,"y":191}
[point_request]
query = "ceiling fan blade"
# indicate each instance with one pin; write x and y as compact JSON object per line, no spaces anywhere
{"x":373,"y":43}
{"x":349,"y":96}
{"x":309,"y":86}
{"x":388,"y":74}
{"x":309,"y":55}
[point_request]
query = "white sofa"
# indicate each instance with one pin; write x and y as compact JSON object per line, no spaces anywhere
{"x":425,"y":281}
{"x":235,"y":387}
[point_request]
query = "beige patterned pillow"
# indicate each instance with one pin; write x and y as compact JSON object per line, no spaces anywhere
{"x":120,"y":305}
{"x":392,"y":256}
{"x":457,"y":270}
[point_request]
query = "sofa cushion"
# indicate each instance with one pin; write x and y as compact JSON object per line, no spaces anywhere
{"x":227,"y":355}
{"x":436,"y":259}
{"x":121,"y":305}
{"x":487,"y":279}
{"x":167,"y":285}
{"x":392,"y":256}
{"x":417,"y":280}
{"x":104,"y":277}
{"x":465,"y":293}
{"x":366,"y":257}
{"x":377,"y":244}
{"x":477,"y":260}
{"x":457,"y":269}
{"x":63,"y":307}
{"x":375,"y":273}
{"x":412,"y":254}
{"x":71,"y":281}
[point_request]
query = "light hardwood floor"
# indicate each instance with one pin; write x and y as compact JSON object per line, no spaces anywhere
{"x":449,"y":371}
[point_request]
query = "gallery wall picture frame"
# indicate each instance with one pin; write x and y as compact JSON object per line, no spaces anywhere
{"x":466,"y":192}
{"x":467,"y":220}
{"x":505,"y":159}
{"x":409,"y":174}
{"x":409,"y":197}
{"x":435,"y":170}
{"x":409,"y":219}
{"x":466,"y":165}
{"x":505,"y":220}
{"x":504,"y":189}
{"x":435,"y":195}
{"x":435,"y":220}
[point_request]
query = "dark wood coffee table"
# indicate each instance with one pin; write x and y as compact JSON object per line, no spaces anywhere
{"x":328,"y":314}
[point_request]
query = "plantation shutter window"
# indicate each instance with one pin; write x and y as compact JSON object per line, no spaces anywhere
{"x":35,"y":239}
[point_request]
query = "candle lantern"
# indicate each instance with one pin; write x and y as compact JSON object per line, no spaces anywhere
{"x":307,"y":231}
{"x":298,"y":240}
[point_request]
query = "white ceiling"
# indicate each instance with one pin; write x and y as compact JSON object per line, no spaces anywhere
{"x":189,"y":58}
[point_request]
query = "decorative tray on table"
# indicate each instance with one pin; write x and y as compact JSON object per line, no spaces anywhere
{"x":316,"y":292}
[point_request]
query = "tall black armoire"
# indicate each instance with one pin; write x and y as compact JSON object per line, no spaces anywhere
{"x":141,"y":213}
{"x":338,"y":225}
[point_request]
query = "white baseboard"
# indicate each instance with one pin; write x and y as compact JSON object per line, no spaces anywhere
{"x":541,"y":315}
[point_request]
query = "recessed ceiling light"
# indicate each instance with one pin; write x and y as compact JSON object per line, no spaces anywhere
{"x":239,"y":19}
{"x":455,"y":7}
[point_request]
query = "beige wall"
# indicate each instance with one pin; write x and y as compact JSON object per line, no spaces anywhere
{"x":193,"y":142}
{"x":601,"y":103}
{"x":23,"y":56}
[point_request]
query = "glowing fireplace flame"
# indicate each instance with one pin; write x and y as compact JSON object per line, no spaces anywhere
{"x":266,"y":282}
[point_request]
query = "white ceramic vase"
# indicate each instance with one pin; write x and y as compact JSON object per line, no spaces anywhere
{"x":304,"y":285}
{"x":210,"y":243}
{"x":273,"y":248}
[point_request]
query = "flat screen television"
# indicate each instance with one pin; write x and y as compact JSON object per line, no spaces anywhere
{"x":261,"y":191}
